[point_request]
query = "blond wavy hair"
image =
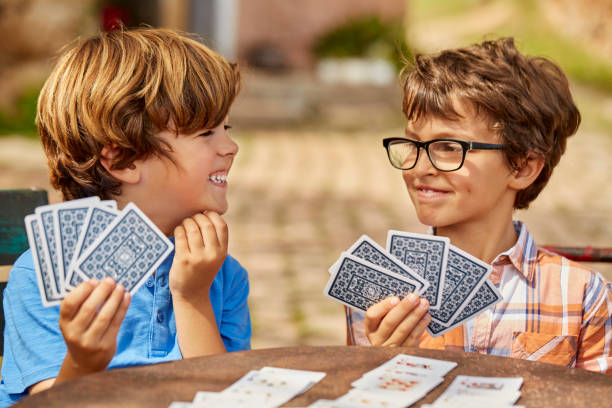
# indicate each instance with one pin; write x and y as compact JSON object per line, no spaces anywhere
{"x":120,"y":89}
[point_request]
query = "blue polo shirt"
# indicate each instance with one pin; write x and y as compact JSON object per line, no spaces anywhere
{"x":34,"y":348}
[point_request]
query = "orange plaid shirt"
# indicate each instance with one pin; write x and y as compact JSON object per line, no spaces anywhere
{"x":553,"y":311}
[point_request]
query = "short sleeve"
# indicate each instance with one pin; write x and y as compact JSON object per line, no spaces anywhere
{"x":236,"y":322}
{"x":33,"y":344}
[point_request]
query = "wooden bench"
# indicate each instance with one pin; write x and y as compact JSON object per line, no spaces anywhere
{"x":14,"y":206}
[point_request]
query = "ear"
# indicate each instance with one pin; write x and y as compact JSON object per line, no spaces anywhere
{"x":130,"y":174}
{"x":526,"y":175}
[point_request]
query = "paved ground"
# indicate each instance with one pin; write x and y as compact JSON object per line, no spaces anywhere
{"x":298,"y":198}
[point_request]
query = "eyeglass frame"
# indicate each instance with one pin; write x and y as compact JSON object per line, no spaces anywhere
{"x":466,"y":147}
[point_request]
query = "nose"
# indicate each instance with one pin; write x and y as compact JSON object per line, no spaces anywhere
{"x":227,"y":147}
{"x":423,"y":165}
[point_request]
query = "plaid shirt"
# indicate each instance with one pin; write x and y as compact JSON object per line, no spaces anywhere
{"x":553,"y":311}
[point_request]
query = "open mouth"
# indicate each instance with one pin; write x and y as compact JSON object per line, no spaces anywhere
{"x":218,"y":178}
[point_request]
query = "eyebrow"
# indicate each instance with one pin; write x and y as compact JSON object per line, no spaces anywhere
{"x":442,"y":135}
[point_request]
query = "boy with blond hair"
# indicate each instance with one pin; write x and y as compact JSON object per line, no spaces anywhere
{"x":135,"y":116}
{"x":486,"y":127}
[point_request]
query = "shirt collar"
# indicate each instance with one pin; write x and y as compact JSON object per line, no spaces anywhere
{"x":523,"y":254}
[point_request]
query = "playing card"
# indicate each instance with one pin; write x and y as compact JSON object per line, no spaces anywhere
{"x":129,"y":250}
{"x":46,"y":222}
{"x":487,"y":296}
{"x":269,"y":389}
{"x":425,"y":255}
{"x":98,"y":218}
{"x":464,"y":275}
{"x":69,"y":218}
{"x":46,"y":284}
{"x":367,"y":249}
{"x":399,"y":385}
{"x":358,"y":398}
{"x":500,"y":390}
{"x":405,"y":364}
{"x":309,"y":377}
{"x":360,"y":284}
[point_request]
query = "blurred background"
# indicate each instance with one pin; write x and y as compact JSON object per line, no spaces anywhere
{"x":320,"y":92}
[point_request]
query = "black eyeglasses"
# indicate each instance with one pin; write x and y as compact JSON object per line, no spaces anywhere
{"x":444,"y":154}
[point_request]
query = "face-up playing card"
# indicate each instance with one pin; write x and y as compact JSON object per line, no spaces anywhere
{"x":464,"y":275}
{"x":502,"y":390}
{"x":357,"y":398}
{"x":129,"y":250}
{"x":403,"y":364}
{"x":367,"y":249}
{"x":486,"y":297}
{"x":399,"y":387}
{"x":44,"y":275}
{"x":360,"y":284}
{"x":98,"y":218}
{"x":424,"y":254}
{"x":270,"y":389}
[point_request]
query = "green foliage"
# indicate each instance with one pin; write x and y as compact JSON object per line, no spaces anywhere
{"x":20,"y":120}
{"x":366,"y":36}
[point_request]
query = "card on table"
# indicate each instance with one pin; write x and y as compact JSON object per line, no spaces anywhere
{"x":271,"y":389}
{"x":129,"y":250}
{"x":367,"y":249}
{"x":360,"y":284}
{"x":98,"y":218}
{"x":426,"y":255}
{"x":405,"y":364}
{"x":503,"y":391}
{"x":486,"y":297}
{"x":44,"y":275}
{"x":464,"y":275}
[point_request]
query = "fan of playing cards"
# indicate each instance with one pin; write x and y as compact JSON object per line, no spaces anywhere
{"x":454,"y":282}
{"x":83,"y":239}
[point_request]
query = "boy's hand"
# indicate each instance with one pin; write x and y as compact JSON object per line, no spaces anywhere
{"x":90,"y":317}
{"x":201,"y":247}
{"x":394,"y":323}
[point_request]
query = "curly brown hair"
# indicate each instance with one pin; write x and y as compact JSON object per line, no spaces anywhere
{"x":526,"y":100}
{"x":120,"y":89}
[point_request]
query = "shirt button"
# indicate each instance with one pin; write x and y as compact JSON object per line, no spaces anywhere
{"x":160,"y":316}
{"x":150,"y":282}
{"x":162,"y":281}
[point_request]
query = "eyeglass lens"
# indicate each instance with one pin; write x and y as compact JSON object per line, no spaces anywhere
{"x":445,"y":155}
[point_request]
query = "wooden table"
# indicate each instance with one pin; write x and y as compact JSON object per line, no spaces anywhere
{"x":544,"y":385}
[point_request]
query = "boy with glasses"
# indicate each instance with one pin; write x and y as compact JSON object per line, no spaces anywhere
{"x":486,"y":126}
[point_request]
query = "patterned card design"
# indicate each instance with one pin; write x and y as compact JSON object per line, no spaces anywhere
{"x":360,"y":284}
{"x":129,"y":250}
{"x":424,"y":254}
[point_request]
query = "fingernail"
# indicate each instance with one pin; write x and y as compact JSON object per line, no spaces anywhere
{"x":393,"y":301}
{"x":93,"y":281}
{"x":108,"y":279}
{"x":412,"y":298}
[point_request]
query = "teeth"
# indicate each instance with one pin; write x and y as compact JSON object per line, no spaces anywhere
{"x":219,"y":179}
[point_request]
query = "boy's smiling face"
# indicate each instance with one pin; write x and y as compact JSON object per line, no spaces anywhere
{"x":479,"y":192}
{"x":196,"y":181}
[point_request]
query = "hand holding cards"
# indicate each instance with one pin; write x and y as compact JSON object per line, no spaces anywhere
{"x":90,"y":239}
{"x":454,"y":282}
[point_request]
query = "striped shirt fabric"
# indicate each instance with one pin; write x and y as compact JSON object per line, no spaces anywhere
{"x":553,"y":310}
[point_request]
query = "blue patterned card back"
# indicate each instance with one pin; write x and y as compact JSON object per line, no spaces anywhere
{"x":360,"y":284}
{"x":129,"y":251}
